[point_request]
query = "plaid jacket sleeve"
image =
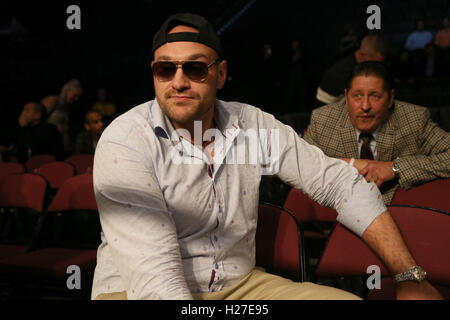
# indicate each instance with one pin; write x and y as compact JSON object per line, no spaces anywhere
{"x":429,"y":158}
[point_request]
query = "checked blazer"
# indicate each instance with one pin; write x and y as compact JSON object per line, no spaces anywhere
{"x":420,"y":148}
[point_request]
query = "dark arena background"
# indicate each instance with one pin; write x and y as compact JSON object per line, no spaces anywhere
{"x":277,"y":53}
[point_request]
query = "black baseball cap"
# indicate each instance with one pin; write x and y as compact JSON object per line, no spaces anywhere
{"x":206,"y":35}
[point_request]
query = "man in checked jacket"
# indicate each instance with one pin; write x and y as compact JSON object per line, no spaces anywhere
{"x":395,"y":143}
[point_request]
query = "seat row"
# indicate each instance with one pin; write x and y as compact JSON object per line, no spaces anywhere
{"x":39,"y":242}
{"x":332,"y":251}
{"x":56,"y":172}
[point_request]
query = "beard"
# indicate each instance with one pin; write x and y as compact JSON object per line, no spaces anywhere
{"x":184,"y":113}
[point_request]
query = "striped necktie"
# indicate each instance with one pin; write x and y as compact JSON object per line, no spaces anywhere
{"x":366,"y":151}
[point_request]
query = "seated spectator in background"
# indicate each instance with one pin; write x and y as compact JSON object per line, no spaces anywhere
{"x":402,"y":69}
{"x":442,"y":41}
{"x":419,"y":38}
{"x":35,"y":136}
{"x":87,"y":139}
{"x":433,"y":63}
{"x":349,"y":42}
{"x":295,"y":89}
{"x":50,"y":103}
{"x":70,"y":92}
{"x":395,"y":143}
{"x":106,"y":108}
{"x":373,"y":47}
{"x":442,"y":38}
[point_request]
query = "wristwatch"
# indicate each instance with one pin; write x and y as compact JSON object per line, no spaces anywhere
{"x":395,"y":169}
{"x":415,"y":273}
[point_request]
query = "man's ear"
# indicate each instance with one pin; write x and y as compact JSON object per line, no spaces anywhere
{"x":359,"y":56}
{"x":222,"y":76}
{"x":87,"y":127}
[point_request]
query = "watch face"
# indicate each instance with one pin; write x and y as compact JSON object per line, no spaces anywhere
{"x":418,"y":273}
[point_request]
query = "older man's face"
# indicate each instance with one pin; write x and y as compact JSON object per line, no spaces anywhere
{"x":181,"y":99}
{"x":368,"y":103}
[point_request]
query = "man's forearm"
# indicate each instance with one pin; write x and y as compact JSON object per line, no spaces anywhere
{"x":386,"y":241}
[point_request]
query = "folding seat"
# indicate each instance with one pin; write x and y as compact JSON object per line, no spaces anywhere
{"x":279,"y":243}
{"x":56,"y":173}
{"x":22,"y":197}
{"x":38,"y":160}
{"x":425,"y":232}
{"x":317,"y":222}
{"x":434,"y":195}
{"x":69,"y":236}
{"x":7,"y":168}
{"x":82,"y":162}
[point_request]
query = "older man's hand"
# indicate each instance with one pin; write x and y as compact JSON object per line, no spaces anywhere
{"x":377,"y":171}
{"x":410,"y":290}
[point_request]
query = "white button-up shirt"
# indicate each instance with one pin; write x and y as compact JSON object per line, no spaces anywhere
{"x":175,"y":223}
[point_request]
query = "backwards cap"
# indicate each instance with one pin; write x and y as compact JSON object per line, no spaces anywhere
{"x":206,"y":35}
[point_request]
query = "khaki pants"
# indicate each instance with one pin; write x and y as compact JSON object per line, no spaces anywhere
{"x":260,"y":285}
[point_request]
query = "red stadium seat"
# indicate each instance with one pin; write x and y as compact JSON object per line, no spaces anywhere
{"x":56,"y":173}
{"x":7,"y":168}
{"x":26,"y":190}
{"x":82,"y":162}
{"x":279,"y":243}
{"x":434,"y":194}
{"x":425,"y":232}
{"x":22,"y":199}
{"x":54,"y":254}
{"x":38,"y":160}
{"x":306,"y":209}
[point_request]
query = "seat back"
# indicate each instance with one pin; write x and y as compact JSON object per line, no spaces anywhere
{"x":279,"y":243}
{"x":75,"y":193}
{"x":82,"y":162}
{"x":7,"y":168}
{"x":425,"y":232}
{"x":25,"y":190}
{"x":72,"y":217}
{"x":306,"y":209}
{"x":22,"y":198}
{"x":56,"y":173}
{"x":38,"y":160}
{"x":434,"y":194}
{"x":300,"y":205}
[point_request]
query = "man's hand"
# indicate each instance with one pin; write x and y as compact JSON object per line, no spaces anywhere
{"x":410,"y":290}
{"x":377,"y":171}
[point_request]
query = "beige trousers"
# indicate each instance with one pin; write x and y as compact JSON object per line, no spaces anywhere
{"x":260,"y":285}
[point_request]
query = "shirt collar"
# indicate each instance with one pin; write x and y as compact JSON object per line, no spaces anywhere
{"x":374,"y":133}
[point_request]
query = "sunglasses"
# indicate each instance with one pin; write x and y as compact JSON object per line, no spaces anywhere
{"x":194,"y":70}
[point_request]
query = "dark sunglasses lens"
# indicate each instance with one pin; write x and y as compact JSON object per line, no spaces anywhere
{"x":164,"y":70}
{"x":196,"y":71}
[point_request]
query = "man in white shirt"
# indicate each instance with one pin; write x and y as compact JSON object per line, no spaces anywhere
{"x":178,"y":198}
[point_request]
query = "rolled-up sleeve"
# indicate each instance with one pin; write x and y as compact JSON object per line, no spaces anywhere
{"x":329,"y":181}
{"x":138,"y":230}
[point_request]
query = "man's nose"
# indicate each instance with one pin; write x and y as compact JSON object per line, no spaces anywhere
{"x":365,"y":105}
{"x":180,"y":81}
